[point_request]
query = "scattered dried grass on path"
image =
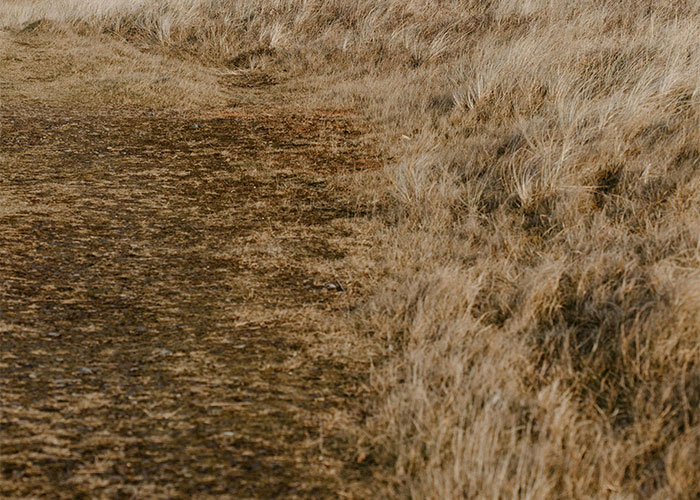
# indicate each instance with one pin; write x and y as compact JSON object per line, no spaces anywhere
{"x":165,"y":325}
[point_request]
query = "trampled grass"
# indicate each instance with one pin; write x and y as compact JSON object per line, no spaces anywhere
{"x":540,"y":256}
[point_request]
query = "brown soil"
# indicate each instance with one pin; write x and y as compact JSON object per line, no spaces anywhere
{"x":167,"y":326}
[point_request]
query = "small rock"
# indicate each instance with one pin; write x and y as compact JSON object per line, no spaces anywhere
{"x":85,"y":371}
{"x":65,"y":381}
{"x":337,"y":286}
{"x":196,"y":126}
{"x":53,"y":334}
{"x":240,"y":346}
{"x":164,"y":352}
{"x":227,"y":433}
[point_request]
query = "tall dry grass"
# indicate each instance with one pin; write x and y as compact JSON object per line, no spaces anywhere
{"x":539,"y":302}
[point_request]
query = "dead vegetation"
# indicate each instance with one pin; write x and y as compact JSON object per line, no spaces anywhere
{"x":540,"y":262}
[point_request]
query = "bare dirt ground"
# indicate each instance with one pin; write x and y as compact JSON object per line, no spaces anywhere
{"x":167,"y":326}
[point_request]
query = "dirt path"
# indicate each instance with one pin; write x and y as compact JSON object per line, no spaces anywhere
{"x":166,"y":327}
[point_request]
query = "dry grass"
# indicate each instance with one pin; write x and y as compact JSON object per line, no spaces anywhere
{"x":79,"y":72}
{"x":540,"y":285}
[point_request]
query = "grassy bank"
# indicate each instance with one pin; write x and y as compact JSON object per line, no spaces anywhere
{"x":539,"y":297}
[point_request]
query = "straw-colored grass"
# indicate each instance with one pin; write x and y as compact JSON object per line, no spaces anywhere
{"x":540,"y":295}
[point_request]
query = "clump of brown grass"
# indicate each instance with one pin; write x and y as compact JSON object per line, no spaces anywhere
{"x":541,"y":265}
{"x":549,"y":344}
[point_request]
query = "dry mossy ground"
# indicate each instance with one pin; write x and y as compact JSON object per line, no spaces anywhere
{"x":166,"y":327}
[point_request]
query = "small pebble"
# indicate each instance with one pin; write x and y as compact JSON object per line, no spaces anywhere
{"x":85,"y":371}
{"x":64,"y":381}
{"x":53,"y":334}
{"x":164,"y":352}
